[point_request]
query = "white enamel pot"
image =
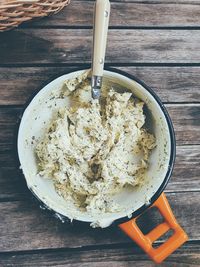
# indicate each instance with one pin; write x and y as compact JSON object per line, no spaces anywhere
{"x":32,"y":127}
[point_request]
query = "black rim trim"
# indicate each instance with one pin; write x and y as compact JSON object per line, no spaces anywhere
{"x":171,"y":160}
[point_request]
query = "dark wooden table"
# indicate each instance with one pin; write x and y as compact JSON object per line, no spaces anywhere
{"x":159,"y":42}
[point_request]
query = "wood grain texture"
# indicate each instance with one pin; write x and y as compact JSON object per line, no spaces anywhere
{"x":186,"y":173}
{"x":151,"y":1}
{"x":8,"y":155}
{"x":37,"y":229}
{"x":9,"y":119}
{"x":50,"y":46}
{"x":186,"y":256}
{"x":131,"y":14}
{"x":47,"y":48}
{"x":186,"y":121}
{"x":172,"y":84}
{"x":185,"y":117}
{"x":12,"y":184}
{"x":185,"y":176}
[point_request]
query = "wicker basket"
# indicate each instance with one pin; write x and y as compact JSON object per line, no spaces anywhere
{"x":14,"y":12}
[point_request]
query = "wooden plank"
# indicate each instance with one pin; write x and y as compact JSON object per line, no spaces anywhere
{"x":12,"y":184}
{"x":17,"y":85}
{"x":71,"y":46}
{"x":9,"y":119}
{"x":156,"y":1}
{"x":8,"y":156}
{"x":185,"y":176}
{"x":187,"y":255}
{"x":172,"y":84}
{"x":185,"y":117}
{"x":130,"y":14}
{"x":186,"y":173}
{"x":149,"y":1}
{"x":37,"y":229}
{"x":186,"y":121}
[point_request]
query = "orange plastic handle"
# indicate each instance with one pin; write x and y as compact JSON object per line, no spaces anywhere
{"x":145,"y":241}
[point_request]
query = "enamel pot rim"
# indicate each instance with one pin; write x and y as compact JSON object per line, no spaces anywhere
{"x":171,"y":159}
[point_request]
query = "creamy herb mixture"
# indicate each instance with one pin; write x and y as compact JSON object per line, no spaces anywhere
{"x":93,"y":150}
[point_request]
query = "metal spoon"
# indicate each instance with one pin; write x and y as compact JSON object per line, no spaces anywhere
{"x":100,"y":30}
